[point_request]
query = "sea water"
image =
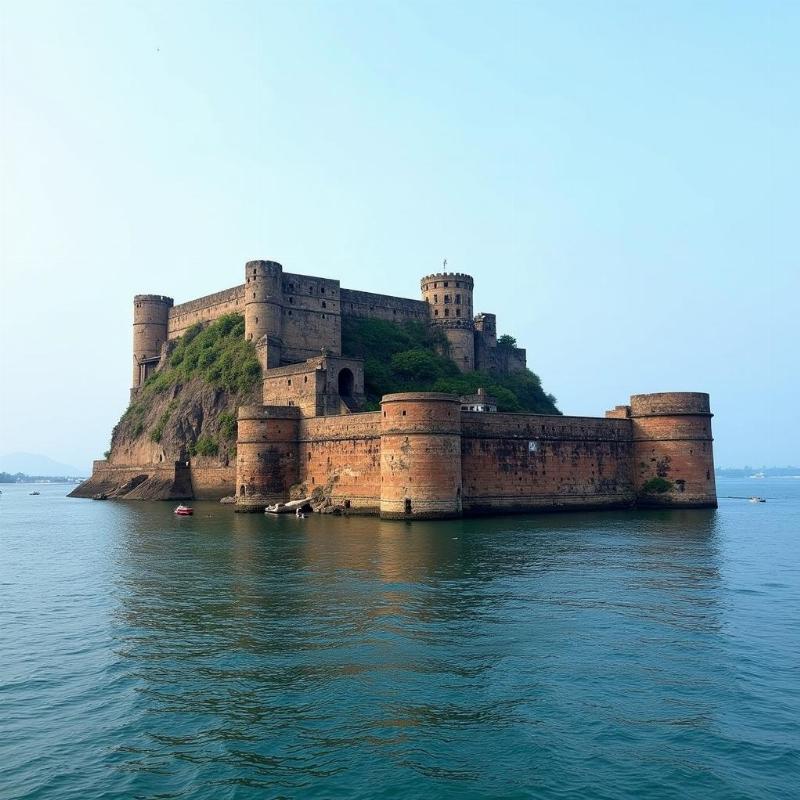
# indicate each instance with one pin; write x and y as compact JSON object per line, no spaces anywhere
{"x":588,"y":655}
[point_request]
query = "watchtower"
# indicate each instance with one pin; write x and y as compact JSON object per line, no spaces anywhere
{"x":449,"y":299}
{"x":420,"y":456}
{"x":150,"y":321}
{"x":266,"y":455}
{"x":263,"y":309}
{"x":672,"y":441}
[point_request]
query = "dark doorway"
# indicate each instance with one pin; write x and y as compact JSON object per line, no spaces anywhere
{"x":407,"y":505}
{"x":346,"y":381}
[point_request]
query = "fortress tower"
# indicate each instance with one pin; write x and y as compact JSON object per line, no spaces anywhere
{"x":420,"y":456}
{"x":672,"y":440}
{"x":266,"y":455}
{"x":449,"y":299}
{"x":263,"y":309}
{"x":150,"y":322}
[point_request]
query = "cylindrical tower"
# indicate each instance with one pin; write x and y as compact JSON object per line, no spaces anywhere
{"x":266,"y":455}
{"x":150,"y":321}
{"x":420,"y":456}
{"x":672,"y":450}
{"x":449,"y":299}
{"x":263,"y":308}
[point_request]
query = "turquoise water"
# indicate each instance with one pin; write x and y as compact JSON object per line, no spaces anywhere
{"x":613,"y":655}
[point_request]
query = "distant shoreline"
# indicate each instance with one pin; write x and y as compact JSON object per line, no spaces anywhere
{"x":758,"y":472}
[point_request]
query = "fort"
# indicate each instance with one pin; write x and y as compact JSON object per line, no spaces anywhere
{"x":422,"y":454}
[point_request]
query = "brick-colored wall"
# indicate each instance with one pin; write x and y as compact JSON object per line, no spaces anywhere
{"x":420,"y":455}
{"x":513,"y":462}
{"x":266,"y":455}
{"x":347,"y":451}
{"x":382,"y":306}
{"x":205,"y":309}
{"x":213,"y":481}
{"x":672,"y":440}
{"x":311,"y":317}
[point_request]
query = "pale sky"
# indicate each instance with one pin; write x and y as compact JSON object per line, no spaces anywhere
{"x":620,"y":178}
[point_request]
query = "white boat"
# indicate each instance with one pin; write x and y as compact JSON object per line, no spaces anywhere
{"x":758,"y":475}
{"x":755,"y":499}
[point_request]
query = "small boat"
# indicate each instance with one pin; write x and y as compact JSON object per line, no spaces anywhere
{"x":184,"y":511}
{"x":755,"y":499}
{"x":33,"y":493}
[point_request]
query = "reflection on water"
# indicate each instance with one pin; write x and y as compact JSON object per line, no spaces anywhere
{"x":230,"y":655}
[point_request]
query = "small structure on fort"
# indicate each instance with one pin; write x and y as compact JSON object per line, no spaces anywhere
{"x":305,"y":428}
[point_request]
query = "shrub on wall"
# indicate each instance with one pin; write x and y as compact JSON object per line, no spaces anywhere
{"x":658,"y":486}
{"x":227,"y":425}
{"x":204,"y":446}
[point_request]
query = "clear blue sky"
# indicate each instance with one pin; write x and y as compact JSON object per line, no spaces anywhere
{"x":621,"y":179}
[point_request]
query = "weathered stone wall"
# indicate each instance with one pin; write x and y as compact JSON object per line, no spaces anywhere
{"x":212,"y":481}
{"x":382,"y":306}
{"x":301,"y":385}
{"x":421,"y":455}
{"x":205,"y":309}
{"x":344,"y":454}
{"x":518,"y":462}
{"x":672,"y":440}
{"x":150,"y":326}
{"x":166,"y":481}
{"x":311,"y":317}
{"x":266,"y":455}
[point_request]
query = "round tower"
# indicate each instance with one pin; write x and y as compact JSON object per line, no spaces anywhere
{"x":449,"y":299}
{"x":263,"y":308}
{"x":672,"y":450}
{"x":266,"y":455}
{"x":150,"y":322}
{"x":420,"y":456}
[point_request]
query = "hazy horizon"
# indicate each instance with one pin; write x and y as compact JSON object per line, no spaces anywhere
{"x":619,"y":180}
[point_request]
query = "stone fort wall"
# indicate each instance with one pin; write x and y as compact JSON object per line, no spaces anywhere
{"x":421,"y":456}
{"x":294,"y":317}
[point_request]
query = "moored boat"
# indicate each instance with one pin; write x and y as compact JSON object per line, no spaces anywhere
{"x":184,"y":511}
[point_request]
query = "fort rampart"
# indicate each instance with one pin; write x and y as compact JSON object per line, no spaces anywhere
{"x":421,"y":455}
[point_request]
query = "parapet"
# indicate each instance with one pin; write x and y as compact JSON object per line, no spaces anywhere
{"x":263,"y":267}
{"x":154,"y":298}
{"x":268,"y":412}
{"x":670,"y":404}
{"x":461,"y":277}
{"x":419,"y":396}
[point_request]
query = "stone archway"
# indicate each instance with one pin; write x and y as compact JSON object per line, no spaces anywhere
{"x":346,"y":382}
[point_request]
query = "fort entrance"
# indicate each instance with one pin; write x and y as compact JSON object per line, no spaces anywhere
{"x":346,"y":383}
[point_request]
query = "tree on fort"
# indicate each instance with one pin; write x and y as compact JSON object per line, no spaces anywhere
{"x":413,"y":357}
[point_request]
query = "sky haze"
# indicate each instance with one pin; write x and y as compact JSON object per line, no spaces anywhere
{"x":619,"y":179}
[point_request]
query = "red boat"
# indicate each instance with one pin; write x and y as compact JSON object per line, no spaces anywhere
{"x":184,"y":511}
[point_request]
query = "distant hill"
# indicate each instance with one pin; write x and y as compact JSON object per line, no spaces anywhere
{"x":36,"y":464}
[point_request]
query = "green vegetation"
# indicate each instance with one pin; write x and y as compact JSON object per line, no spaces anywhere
{"x":217,"y":354}
{"x":227,"y":425}
{"x":204,"y":446}
{"x":658,"y":486}
{"x":506,"y":342}
{"x":158,"y":431}
{"x":411,"y":357}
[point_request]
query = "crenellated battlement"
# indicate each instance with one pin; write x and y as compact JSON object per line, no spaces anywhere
{"x":153,"y":298}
